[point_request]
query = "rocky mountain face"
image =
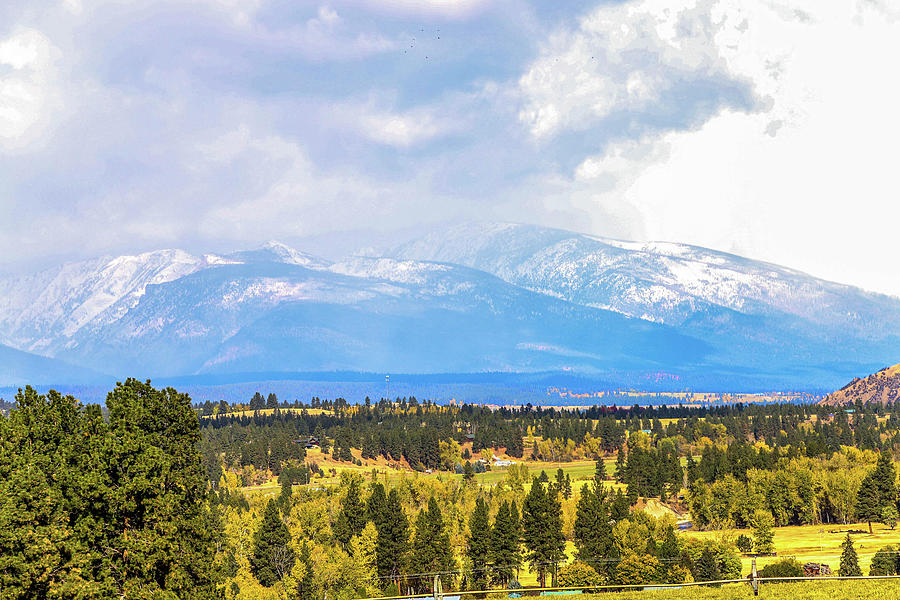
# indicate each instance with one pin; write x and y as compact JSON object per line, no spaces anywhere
{"x":881,"y":387}
{"x":467,"y":299}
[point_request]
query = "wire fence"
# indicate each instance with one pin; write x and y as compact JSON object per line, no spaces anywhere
{"x":530,"y":591}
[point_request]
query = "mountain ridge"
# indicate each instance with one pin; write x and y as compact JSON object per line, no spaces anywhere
{"x":475,"y":298}
{"x":882,"y":387}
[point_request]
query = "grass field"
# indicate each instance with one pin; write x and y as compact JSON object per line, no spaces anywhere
{"x":806,"y":590}
{"x":818,"y":543}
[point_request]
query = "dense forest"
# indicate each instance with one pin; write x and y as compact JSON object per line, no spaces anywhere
{"x":151,"y":497}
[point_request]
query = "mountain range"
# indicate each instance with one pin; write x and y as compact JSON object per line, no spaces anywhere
{"x":470,"y":298}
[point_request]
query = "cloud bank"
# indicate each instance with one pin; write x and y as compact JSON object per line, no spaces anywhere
{"x":766,"y":129}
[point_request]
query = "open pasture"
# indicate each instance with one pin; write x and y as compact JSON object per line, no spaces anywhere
{"x":817,"y":543}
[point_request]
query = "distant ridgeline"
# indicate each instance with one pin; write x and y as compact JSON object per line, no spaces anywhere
{"x":882,"y":387}
{"x":474,"y":299}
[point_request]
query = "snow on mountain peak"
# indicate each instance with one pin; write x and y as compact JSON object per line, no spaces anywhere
{"x":274,"y":251}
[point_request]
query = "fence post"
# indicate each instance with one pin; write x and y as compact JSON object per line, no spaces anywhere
{"x":438,"y":588}
{"x":753,"y":579}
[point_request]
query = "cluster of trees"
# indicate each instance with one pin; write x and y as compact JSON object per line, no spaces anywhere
{"x":102,"y":507}
{"x":844,"y":488}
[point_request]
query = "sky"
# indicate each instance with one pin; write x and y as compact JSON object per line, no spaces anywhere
{"x":767,"y":129}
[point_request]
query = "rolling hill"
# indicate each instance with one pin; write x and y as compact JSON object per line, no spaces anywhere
{"x":881,"y":387}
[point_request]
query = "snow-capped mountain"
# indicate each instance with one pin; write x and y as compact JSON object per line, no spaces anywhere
{"x":470,"y":299}
{"x":658,"y":281}
{"x":386,"y":315}
{"x":754,"y":312}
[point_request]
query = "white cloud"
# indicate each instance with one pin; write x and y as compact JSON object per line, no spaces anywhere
{"x":293,"y":198}
{"x":624,"y":57}
{"x":807,"y":179}
{"x":27,"y":80}
{"x":393,"y":128}
{"x":453,"y":9}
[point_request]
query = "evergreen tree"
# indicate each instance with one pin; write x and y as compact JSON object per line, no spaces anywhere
{"x":432,"y":552}
{"x":272,"y":556}
{"x":257,"y":402}
{"x":620,"y":506}
{"x":708,"y":566}
{"x":272,"y":401}
{"x":542,"y":529}
{"x":849,"y":560}
{"x":885,"y":476}
{"x":763,"y":536}
{"x":505,"y":556}
{"x":479,"y":544}
{"x":691,"y":470}
{"x":868,"y":506}
{"x":376,"y":506}
{"x":468,"y":471}
{"x":156,"y":509}
{"x":620,"y":465}
{"x":38,"y":548}
{"x":352,"y":517}
{"x":305,"y":585}
{"x":599,"y":471}
{"x":563,"y":484}
{"x":592,"y":530}
{"x":392,"y":546}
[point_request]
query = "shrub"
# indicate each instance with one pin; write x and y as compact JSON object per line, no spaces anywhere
{"x":744,"y":543}
{"x":884,"y":562}
{"x":578,"y":574}
{"x":637,"y":569}
{"x":788,"y":567}
{"x":679,"y":574}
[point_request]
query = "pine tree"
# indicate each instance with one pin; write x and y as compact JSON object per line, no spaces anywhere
{"x":432,"y":552}
{"x":620,"y":506}
{"x":257,"y":402}
{"x":542,"y":529}
{"x":392,"y":547}
{"x":592,"y":530}
{"x":505,"y":556}
{"x":376,"y":506}
{"x":157,"y":496}
{"x":272,"y":556}
{"x":468,"y":471}
{"x":708,"y":566}
{"x":599,"y":471}
{"x":272,"y":400}
{"x":352,"y":517}
{"x":479,"y":544}
{"x":868,"y":506}
{"x":305,"y":585}
{"x":104,"y":504}
{"x":849,"y":560}
{"x":620,"y":465}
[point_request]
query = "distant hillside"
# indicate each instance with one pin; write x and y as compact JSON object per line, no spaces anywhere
{"x":20,"y":368}
{"x":881,"y":387}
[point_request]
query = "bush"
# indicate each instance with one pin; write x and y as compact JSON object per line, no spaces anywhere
{"x":637,"y":570}
{"x":744,"y":543}
{"x":679,"y":574}
{"x":578,"y":574}
{"x":884,"y":562}
{"x":788,"y":567}
{"x":391,"y":589}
